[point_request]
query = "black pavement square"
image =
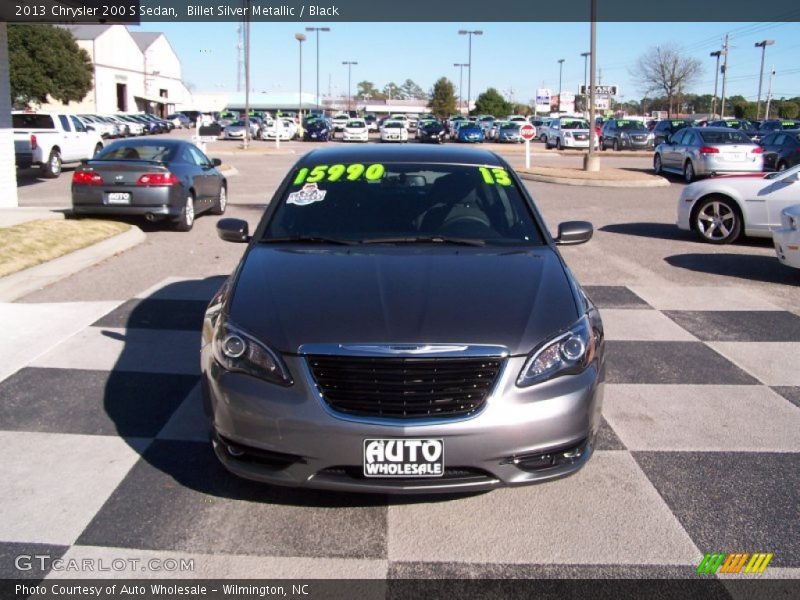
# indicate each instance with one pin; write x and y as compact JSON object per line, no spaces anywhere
{"x":607,"y":438}
{"x":732,"y":501}
{"x":91,"y":402}
{"x":614,"y":296}
{"x":739,"y":325}
{"x":791,"y":393}
{"x":670,"y":362}
{"x":179,"y":497}
{"x":21,"y":560}
{"x":156,"y":314}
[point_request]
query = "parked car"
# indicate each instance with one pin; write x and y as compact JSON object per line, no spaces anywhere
{"x":50,"y":140}
{"x":700,"y":151}
{"x":372,"y":121}
{"x":721,"y":209}
{"x":94,"y":123}
{"x":124,"y":127}
{"x":340,"y":120}
{"x":316,"y":130}
{"x":619,"y":134}
{"x":135,"y":126}
{"x":470,"y":132}
{"x":508,"y":132}
{"x":767,"y":127}
{"x":237,"y":129}
{"x":740,"y":124}
{"x":226,"y":118}
{"x":431,"y":131}
{"x":155,"y":178}
{"x":355,"y":130}
{"x":568,"y":132}
{"x":786,"y":238}
{"x":284,"y":126}
{"x":390,"y":381}
{"x":665,"y":128}
{"x":781,"y":149}
{"x":180,"y":120}
{"x":394,"y":131}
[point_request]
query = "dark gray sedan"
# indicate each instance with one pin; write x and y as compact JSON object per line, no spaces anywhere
{"x":157,"y":179}
{"x":402,"y":322}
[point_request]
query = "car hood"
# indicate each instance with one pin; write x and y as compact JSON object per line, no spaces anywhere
{"x":290,"y":296}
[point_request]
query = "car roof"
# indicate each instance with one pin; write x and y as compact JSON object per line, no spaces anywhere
{"x":148,"y":142}
{"x":399,"y":154}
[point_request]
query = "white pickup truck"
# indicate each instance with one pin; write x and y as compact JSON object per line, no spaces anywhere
{"x":49,"y":140}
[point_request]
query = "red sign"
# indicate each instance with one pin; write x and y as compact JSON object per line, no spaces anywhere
{"x":527,"y":132}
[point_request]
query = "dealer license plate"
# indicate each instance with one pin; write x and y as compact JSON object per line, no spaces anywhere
{"x":735,"y":156}
{"x":403,"y":458}
{"x":119,"y":198}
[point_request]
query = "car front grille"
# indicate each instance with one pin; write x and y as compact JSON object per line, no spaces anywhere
{"x":405,"y":388}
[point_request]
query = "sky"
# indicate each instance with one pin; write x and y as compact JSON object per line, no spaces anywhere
{"x":515,"y":58}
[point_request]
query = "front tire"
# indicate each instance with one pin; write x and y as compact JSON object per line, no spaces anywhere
{"x":782,"y":166}
{"x":186,"y":220}
{"x":717,"y":221}
{"x":658,"y":169}
{"x":221,"y":203}
{"x":52,"y":168}
{"x":615,"y":145}
{"x":558,"y":144}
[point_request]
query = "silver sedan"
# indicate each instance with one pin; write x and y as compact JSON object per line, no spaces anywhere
{"x":697,"y":151}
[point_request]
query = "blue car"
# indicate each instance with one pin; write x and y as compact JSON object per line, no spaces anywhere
{"x":469,"y":132}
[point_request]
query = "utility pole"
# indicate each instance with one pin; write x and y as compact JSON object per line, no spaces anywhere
{"x":769,"y":92}
{"x":717,"y":53}
{"x":317,"y":30}
{"x":585,"y":56}
{"x":763,"y":45}
{"x":300,"y":37}
{"x":469,"y":61}
{"x":239,"y":62}
{"x":247,"y":74}
{"x":591,"y":161}
{"x":560,"y":72}
{"x":724,"y":77}
{"x":349,"y":64}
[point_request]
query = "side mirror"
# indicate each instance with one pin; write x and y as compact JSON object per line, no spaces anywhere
{"x":573,"y":232}
{"x":216,"y":162}
{"x":233,"y":230}
{"x":668,"y":138}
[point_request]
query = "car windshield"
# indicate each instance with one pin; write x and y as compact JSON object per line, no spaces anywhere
{"x":404,"y":203}
{"x":631,"y":125}
{"x":356,"y":124}
{"x":237,"y":124}
{"x":507,"y":126}
{"x":734,"y":136}
{"x":574,"y":124}
{"x":133,"y":151}
{"x":394,"y":125}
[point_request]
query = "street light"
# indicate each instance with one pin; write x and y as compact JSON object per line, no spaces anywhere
{"x":717,"y":54}
{"x":585,"y":56}
{"x":469,"y":33}
{"x":461,"y":83}
{"x":317,"y":30}
{"x":763,"y":45}
{"x":349,"y":64}
{"x":300,"y":37}
{"x":560,"y":71}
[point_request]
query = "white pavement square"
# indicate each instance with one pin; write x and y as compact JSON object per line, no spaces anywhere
{"x":732,"y":418}
{"x":773,"y":363}
{"x":671,"y":297}
{"x":642,"y":325}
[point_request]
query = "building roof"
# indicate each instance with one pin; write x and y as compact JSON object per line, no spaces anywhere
{"x":87,"y":32}
{"x":144,"y":39}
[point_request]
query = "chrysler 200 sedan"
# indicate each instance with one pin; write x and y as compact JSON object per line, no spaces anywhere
{"x":402,"y":322}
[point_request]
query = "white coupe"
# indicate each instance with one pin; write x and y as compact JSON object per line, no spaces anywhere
{"x":720,"y":209}
{"x":787,"y":237}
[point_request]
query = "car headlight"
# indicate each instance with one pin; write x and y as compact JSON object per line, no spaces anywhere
{"x":568,"y":353}
{"x":567,"y":134}
{"x":650,"y":137}
{"x":238,"y":351}
{"x":623,"y":135}
{"x":794,"y":225}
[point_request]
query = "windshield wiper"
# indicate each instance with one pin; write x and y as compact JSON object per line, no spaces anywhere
{"x":302,"y":239}
{"x":435,"y":239}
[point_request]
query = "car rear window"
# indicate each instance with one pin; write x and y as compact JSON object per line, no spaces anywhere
{"x":574,"y":124}
{"x":133,"y":151}
{"x":32,"y":121}
{"x":357,"y":202}
{"x":734,"y":136}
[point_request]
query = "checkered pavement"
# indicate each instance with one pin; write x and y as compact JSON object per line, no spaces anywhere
{"x":105,"y":455}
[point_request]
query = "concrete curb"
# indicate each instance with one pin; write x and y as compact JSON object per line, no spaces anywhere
{"x":652,"y":182}
{"x":24,"y":282}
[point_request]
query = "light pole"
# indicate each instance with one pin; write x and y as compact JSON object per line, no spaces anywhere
{"x":246,"y":141}
{"x":317,"y":30}
{"x":460,"y":83}
{"x":585,"y":56}
{"x":300,"y":37}
{"x":717,"y":54}
{"x":763,"y":45}
{"x":591,"y":161}
{"x":724,"y":77}
{"x":560,"y":71}
{"x":769,"y":92}
{"x":469,"y":33}
{"x":349,"y":64}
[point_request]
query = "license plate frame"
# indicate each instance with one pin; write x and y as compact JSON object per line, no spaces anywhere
{"x":420,"y":458}
{"x":118,"y":198}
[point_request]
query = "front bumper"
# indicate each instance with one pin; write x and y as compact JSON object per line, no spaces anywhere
{"x":631,"y":144}
{"x":307,"y":444}
{"x":787,"y":246}
{"x":355,"y":137}
{"x":571,"y":142}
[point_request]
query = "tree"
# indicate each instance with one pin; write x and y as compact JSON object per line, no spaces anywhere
{"x":46,"y":61}
{"x":788,"y":110}
{"x":367,"y":89}
{"x":411,"y":90}
{"x":491,"y":102}
{"x":667,"y":70}
{"x":392,"y":91}
{"x":443,"y":98}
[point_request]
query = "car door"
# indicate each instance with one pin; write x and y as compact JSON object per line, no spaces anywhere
{"x":669,"y":153}
{"x":67,"y":143}
{"x":84,"y":144}
{"x":554,"y":131}
{"x":768,"y":197}
{"x":770,"y":149}
{"x":208,"y":181}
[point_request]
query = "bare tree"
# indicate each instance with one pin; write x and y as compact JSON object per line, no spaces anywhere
{"x":665,"y":69}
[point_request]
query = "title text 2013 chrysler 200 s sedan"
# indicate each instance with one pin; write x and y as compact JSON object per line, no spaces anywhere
{"x":402,"y":322}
